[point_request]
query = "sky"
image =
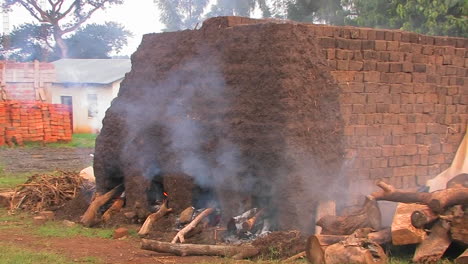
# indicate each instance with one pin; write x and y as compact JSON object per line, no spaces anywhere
{"x":138,"y":16}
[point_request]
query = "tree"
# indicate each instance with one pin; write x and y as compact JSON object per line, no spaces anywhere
{"x":63,"y":16}
{"x":441,"y":17}
{"x":324,"y":11}
{"x":30,"y":42}
{"x":97,"y":41}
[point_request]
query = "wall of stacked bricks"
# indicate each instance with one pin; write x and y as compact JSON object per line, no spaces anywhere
{"x":22,"y":118}
{"x":21,"y":79}
{"x":404,"y":101}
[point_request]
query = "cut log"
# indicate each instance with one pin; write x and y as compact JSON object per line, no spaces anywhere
{"x":186,"y":215}
{"x":316,"y":245}
{"x":432,"y":248}
{"x":90,"y":217}
{"x":422,"y":217}
{"x":355,"y":250}
{"x":381,"y":237}
{"x":368,"y":216}
{"x":295,"y":257}
{"x":250,"y":223}
{"x":180,"y":236}
{"x":114,"y":209}
{"x":403,"y":232}
{"x":152,"y":218}
{"x":459,"y":230}
{"x":463,"y":258}
{"x":438,"y":201}
{"x":324,"y":207}
{"x":235,"y":252}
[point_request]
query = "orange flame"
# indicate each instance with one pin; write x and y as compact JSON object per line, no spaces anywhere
{"x":165,"y":194}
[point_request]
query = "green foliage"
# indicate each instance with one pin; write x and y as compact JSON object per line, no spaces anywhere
{"x":433,"y":17}
{"x":96,"y":41}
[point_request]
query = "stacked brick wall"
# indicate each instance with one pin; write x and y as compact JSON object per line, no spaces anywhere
{"x":33,"y":122}
{"x":404,"y":100}
{"x":21,"y":81}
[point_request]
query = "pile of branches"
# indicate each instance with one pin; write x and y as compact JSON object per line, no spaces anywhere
{"x":47,"y":191}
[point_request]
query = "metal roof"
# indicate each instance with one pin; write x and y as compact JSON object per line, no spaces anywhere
{"x":99,"y":71}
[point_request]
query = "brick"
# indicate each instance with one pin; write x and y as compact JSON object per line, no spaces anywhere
{"x":419,"y":67}
{"x":372,"y":76}
{"x":393,"y":45}
{"x":396,"y":67}
{"x":383,"y":67}
{"x":380,"y":45}
{"x":342,"y":65}
{"x":326,"y":43}
{"x":355,"y":65}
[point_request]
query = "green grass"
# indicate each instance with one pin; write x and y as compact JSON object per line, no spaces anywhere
{"x":78,"y":141}
{"x":14,"y":255}
{"x":11,"y":180}
{"x":57,"y":229}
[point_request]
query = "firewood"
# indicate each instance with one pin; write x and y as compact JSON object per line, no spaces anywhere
{"x":235,"y":252}
{"x":324,"y":207}
{"x":316,"y":245}
{"x":403,"y":232}
{"x":114,"y":209}
{"x":152,"y":218}
{"x":368,"y":216}
{"x":422,"y":217}
{"x":186,"y":215}
{"x":463,"y":258}
{"x":250,"y":223}
{"x":295,"y":257}
{"x":434,"y":246}
{"x":438,"y":201}
{"x":90,"y":217}
{"x":459,"y":229}
{"x":5,"y":198}
{"x":381,"y":237}
{"x":355,"y":250}
{"x":180,"y":236}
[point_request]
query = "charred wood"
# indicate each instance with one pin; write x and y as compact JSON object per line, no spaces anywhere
{"x":463,"y":258}
{"x":180,"y":236}
{"x":153,"y":218}
{"x":90,"y":217}
{"x":114,"y":209}
{"x":422,"y":217}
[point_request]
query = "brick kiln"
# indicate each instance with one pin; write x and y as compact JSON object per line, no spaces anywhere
{"x":248,"y":113}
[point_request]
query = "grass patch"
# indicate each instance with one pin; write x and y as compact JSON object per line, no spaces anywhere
{"x":14,"y":255}
{"x":56,"y":229}
{"x":78,"y":141}
{"x":11,"y":180}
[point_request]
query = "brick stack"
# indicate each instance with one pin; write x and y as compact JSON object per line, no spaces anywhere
{"x":404,"y":100}
{"x":33,"y":122}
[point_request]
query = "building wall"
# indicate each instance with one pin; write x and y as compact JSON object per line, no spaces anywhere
{"x":82,"y":122}
{"x":404,"y":100}
{"x":33,"y":122}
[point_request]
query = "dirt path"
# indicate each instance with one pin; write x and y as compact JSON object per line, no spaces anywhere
{"x":106,"y":250}
{"x":44,"y":159}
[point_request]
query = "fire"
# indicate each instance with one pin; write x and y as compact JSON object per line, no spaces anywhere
{"x":165,"y":194}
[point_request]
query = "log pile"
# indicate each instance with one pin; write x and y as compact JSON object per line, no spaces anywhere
{"x":46,"y":191}
{"x":431,"y":220}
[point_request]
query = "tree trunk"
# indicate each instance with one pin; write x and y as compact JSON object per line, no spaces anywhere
{"x":235,"y":252}
{"x":403,"y":232}
{"x":368,"y":216}
{"x":438,"y":201}
{"x":62,"y":45}
{"x":422,"y":217}
{"x":432,"y":248}
{"x":316,"y":245}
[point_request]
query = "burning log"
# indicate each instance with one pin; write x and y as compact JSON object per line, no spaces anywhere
{"x":438,"y":201}
{"x":235,"y":252}
{"x":432,"y":248}
{"x":368,"y":216}
{"x":180,"y":236}
{"x":403,"y":231}
{"x":250,"y":223}
{"x":186,"y":215}
{"x":463,"y":258}
{"x":422,"y":217}
{"x":152,"y":218}
{"x":90,"y":217}
{"x":114,"y":209}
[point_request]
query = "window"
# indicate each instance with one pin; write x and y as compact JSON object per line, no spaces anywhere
{"x":92,"y":105}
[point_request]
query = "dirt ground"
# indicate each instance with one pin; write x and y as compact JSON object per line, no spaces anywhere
{"x":44,"y":159}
